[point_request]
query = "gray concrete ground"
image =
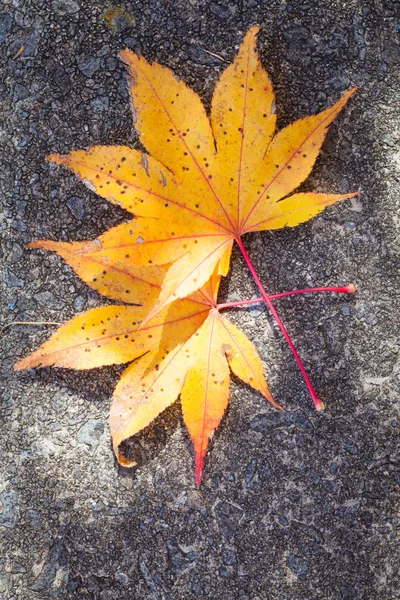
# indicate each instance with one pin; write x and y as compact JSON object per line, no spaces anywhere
{"x":296,"y":505}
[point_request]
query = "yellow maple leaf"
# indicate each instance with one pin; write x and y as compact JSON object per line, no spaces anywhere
{"x":203,"y":184}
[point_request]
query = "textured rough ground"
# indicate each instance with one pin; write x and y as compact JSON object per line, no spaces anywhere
{"x":294,"y":506}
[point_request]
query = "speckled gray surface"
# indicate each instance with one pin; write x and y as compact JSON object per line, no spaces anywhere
{"x":295,"y":505}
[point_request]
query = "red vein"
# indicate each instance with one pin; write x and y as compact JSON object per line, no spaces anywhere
{"x":170,"y":239}
{"x":202,"y":292}
{"x":125,"y":332}
{"x":114,"y":268}
{"x":200,"y":456}
{"x":242,"y":136}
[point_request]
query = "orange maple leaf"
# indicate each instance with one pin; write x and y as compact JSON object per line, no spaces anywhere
{"x":203,"y":185}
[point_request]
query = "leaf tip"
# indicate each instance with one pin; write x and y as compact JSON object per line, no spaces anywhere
{"x":42,"y":245}
{"x":254,"y":30}
{"x":267,"y":394}
{"x":58,"y":159}
{"x":33,"y":245}
{"x":131,"y":60}
{"x":123,"y":460}
{"x":30,"y":362}
{"x":125,"y":55}
{"x":198,"y":473}
{"x":20,"y":365}
{"x":348,"y":94}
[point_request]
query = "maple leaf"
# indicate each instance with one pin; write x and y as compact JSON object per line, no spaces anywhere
{"x":203,"y":185}
{"x":185,"y":349}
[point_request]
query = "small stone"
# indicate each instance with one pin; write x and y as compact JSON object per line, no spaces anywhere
{"x":228,"y":517}
{"x":11,"y":280}
{"x":10,"y":512}
{"x":256,"y":310}
{"x":5,"y":25}
{"x":100,"y":104}
{"x":65,"y":7}
{"x":47,"y":300}
{"x":223,"y":11}
{"x":200,"y":57}
{"x":130,"y":42}
{"x":298,"y":566}
{"x":90,"y":433}
{"x":5,"y":583}
{"x":20,"y":207}
{"x":88,"y":65}
{"x":122,"y":578}
{"x":31,"y":44}
{"x":348,"y":592}
{"x":79,"y":303}
{"x":390,"y":55}
{"x":22,"y":142}
{"x":62,"y":79}
{"x":228,"y":557}
{"x":350,"y":447}
{"x":77,"y":207}
{"x":20,"y":92}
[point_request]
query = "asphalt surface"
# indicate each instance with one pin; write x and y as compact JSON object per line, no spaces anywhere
{"x":294,"y":505}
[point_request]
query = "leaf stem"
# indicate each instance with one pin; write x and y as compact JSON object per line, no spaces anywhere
{"x":348,"y":289}
{"x":319,"y":405}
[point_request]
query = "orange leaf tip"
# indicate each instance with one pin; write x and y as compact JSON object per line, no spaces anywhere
{"x":58,"y":159}
{"x":123,"y":460}
{"x":198,"y":474}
